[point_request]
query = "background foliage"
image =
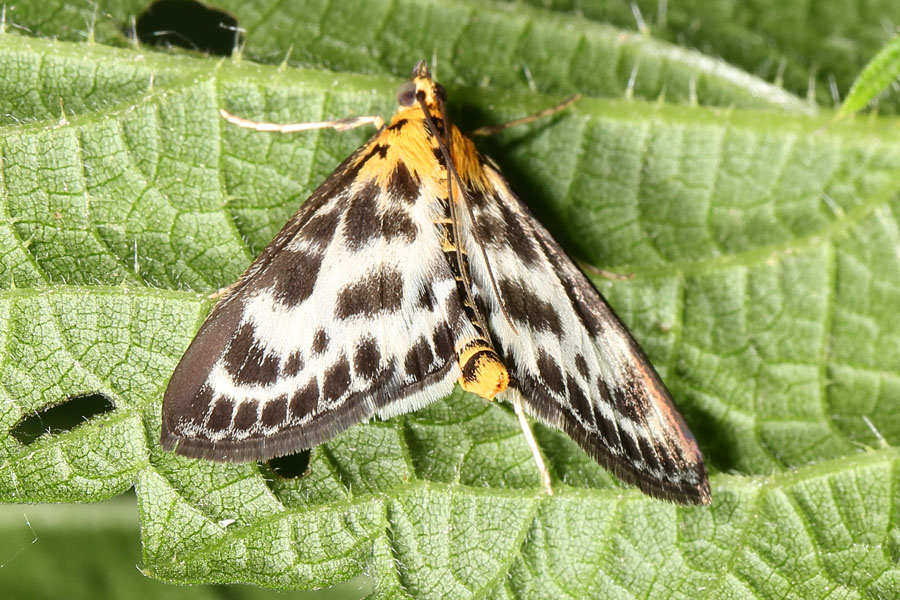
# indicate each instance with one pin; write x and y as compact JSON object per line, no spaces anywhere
{"x":763,"y":238}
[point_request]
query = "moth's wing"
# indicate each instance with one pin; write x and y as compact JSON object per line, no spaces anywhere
{"x":573,"y":360}
{"x":351,"y":311}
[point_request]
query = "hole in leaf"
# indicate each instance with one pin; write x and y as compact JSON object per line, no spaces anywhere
{"x":188,"y":24}
{"x":292,"y":466}
{"x":62,"y":417}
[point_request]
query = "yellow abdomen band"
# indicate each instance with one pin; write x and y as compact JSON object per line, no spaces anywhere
{"x":483,"y":373}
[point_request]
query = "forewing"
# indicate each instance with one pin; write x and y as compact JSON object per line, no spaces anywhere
{"x":573,"y":360}
{"x":351,"y":311}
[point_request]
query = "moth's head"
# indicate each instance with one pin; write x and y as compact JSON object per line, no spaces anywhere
{"x":421,"y":87}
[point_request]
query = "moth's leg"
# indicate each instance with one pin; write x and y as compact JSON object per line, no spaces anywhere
{"x":483,"y":373}
{"x":516,"y":398}
{"x":338,"y":124}
{"x":494,"y":129}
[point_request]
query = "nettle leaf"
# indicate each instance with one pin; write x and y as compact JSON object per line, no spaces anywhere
{"x":34,"y":539}
{"x":812,"y":50}
{"x":468,"y":43}
{"x":811,"y":53}
{"x":766,"y":288}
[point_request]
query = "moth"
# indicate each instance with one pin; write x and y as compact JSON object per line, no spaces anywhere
{"x":411,"y":269}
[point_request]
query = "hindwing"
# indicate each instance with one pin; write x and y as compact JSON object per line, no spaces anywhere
{"x":576,"y":365}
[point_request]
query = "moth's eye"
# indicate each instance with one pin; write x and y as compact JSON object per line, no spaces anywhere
{"x":407,"y":94}
{"x":440,"y":92}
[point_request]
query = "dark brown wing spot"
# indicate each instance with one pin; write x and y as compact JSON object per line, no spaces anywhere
{"x":239,"y":349}
{"x":519,"y":238}
{"x":397,"y":224}
{"x":220,"y":418}
{"x":631,"y":449}
{"x":361,"y":221}
{"x":609,"y":433}
{"x":582,"y":367}
{"x":579,"y":401}
{"x":398,"y":125}
{"x":668,"y":462}
{"x":525,"y":307}
{"x":479,"y":201}
{"x":386,"y":378}
{"x":295,"y":284}
{"x":366,"y":358}
{"x":480,"y":303}
{"x":305,"y":400}
{"x":490,"y":229}
{"x":438,"y":155}
{"x":403,"y":184}
{"x":379,"y":150}
{"x":247,"y":415}
{"x":649,"y":453}
{"x":265,"y":374}
{"x":320,"y":228}
{"x":320,"y":342}
{"x":354,"y":166}
{"x":425,"y":300}
{"x":247,"y":362}
{"x":442,"y":340}
{"x":551,"y":375}
{"x":626,"y":399}
{"x":274,"y":412}
{"x":454,"y":310}
{"x":419,"y":359}
{"x":354,"y":163}
{"x":381,"y":291}
{"x":199,"y":406}
{"x":337,"y":380}
{"x":293,"y":364}
{"x":621,"y":402}
{"x":604,"y":389}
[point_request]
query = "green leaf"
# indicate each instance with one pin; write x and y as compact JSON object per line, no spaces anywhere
{"x":814,"y":53}
{"x":766,"y":290}
{"x":814,"y":50}
{"x":36,"y":541}
{"x":469,"y":43}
